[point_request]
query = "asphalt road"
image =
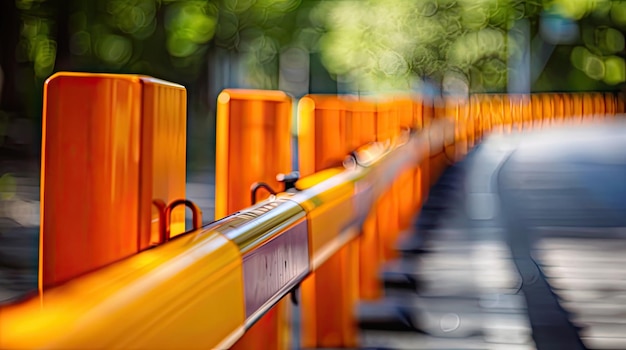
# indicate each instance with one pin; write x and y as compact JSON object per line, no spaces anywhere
{"x":535,"y":258}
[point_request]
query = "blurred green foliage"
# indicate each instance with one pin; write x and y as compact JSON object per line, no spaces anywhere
{"x":386,"y":44}
{"x":378,"y":44}
{"x":166,"y":38}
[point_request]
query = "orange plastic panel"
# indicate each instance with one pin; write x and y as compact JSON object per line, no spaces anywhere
{"x":163,"y":153}
{"x":536,"y":107}
{"x":588,"y":105}
{"x":476,"y":116}
{"x":568,"y":106}
{"x":559,"y":108}
{"x":253,"y":144}
{"x":370,"y":287}
{"x":418,"y":113}
{"x":610,"y":104}
{"x":322,"y":133}
{"x":324,"y":142}
{"x":270,"y":332}
{"x":103,"y":148}
{"x":387,"y":127}
{"x":363,"y":115}
{"x":405,"y":107}
{"x":329,"y":297}
{"x":547,"y":105}
{"x":387,"y":122}
{"x":577,"y":107}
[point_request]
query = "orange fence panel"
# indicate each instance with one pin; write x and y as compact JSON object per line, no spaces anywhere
{"x":322,"y":133}
{"x":112,"y":144}
{"x":363,"y":115}
{"x":253,"y":145}
{"x":326,"y":134}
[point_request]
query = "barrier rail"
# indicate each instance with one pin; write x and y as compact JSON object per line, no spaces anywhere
{"x":208,"y":287}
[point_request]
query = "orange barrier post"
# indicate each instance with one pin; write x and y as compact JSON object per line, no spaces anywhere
{"x":577,"y":108}
{"x":418,"y":183}
{"x":549,"y":109}
{"x":437,"y":160}
{"x":559,"y":108}
{"x":567,"y":107}
{"x":476,"y":121}
{"x":253,"y":145}
{"x":388,"y":128}
{"x":527,"y":113}
{"x":112,"y":146}
{"x":406,"y":183}
{"x":536,"y":111}
{"x":461,"y":132}
{"x":610,"y":103}
{"x":363,"y":118}
{"x":599,"y":108}
{"x":331,"y":292}
{"x":424,"y":112}
{"x":588,"y":106}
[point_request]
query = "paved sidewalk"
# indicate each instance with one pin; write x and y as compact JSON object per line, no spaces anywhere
{"x":538,"y":261}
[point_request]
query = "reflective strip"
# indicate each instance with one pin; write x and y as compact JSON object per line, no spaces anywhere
{"x":271,"y":270}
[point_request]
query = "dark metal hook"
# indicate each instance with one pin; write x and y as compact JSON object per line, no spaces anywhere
{"x":255,"y":188}
{"x":195,"y":210}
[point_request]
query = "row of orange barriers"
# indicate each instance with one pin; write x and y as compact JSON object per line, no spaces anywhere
{"x":118,"y":272}
{"x":329,"y":128}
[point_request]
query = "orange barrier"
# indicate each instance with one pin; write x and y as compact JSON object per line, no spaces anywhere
{"x":387,"y":129}
{"x":223,"y":266}
{"x":507,"y":113}
{"x":112,"y":146}
{"x":407,"y":186}
{"x":363,"y":116}
{"x":326,"y":132}
{"x":254,"y":146}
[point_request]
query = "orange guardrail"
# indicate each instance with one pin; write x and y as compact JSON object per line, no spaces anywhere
{"x":213,"y":287}
{"x":253,"y":146}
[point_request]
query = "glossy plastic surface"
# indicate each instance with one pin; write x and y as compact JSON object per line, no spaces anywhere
{"x":253,"y":144}
{"x":186,"y":294}
{"x":111,"y":145}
